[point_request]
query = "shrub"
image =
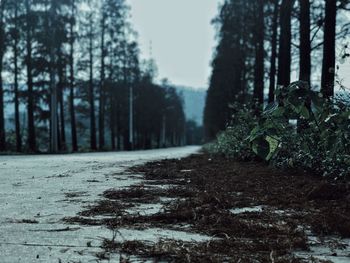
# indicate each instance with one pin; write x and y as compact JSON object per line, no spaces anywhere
{"x":320,"y":142}
{"x":234,"y":141}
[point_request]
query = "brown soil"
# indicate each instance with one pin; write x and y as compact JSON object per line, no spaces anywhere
{"x":206,"y":188}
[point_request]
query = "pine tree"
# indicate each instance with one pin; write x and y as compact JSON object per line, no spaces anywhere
{"x":233,"y":64}
{"x":328,"y":64}
{"x":305,"y":41}
{"x":273,"y":55}
{"x":29,"y":30}
{"x":3,"y":6}
{"x":15,"y":36}
{"x":258,"y":95}
{"x":102,"y":91}
{"x":285,"y":43}
{"x":72,"y":40}
{"x":91,"y":35}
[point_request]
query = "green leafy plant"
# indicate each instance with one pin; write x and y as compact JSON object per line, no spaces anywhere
{"x":234,"y":141}
{"x":303,"y":129}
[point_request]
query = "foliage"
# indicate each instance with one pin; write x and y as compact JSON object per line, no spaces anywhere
{"x":233,"y":142}
{"x":320,"y":140}
{"x":232,"y":65}
{"x":86,"y":51}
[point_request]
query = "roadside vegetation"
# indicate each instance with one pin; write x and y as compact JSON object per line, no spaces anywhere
{"x":301,"y":130}
{"x":276,"y":91}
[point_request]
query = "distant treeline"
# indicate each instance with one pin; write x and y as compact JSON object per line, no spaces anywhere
{"x":72,"y":73}
{"x":260,"y":40}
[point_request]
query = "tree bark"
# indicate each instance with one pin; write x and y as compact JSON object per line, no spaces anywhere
{"x":273,"y":57}
{"x":30,"y":109}
{"x":54,"y":131}
{"x":112,"y":120}
{"x":328,"y":64}
{"x":305,"y":42}
{"x":60,"y":88}
{"x":2,"y":52}
{"x":258,"y":94}
{"x":118,"y":130}
{"x":16,"y":92}
{"x":284,"y":54}
{"x":91,"y":91}
{"x":72,"y":82}
{"x":101,"y":115}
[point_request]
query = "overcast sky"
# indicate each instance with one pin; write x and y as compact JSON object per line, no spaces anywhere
{"x":182,"y":37}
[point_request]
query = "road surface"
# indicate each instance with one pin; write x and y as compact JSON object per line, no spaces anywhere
{"x":34,"y":197}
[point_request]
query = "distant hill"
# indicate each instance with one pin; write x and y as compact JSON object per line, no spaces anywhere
{"x":194,"y":100}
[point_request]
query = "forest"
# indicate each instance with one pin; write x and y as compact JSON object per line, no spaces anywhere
{"x":275,"y":91}
{"x":71,"y":80}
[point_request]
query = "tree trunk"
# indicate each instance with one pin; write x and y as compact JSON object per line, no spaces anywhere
{"x":2,"y":51}
{"x":328,"y":64}
{"x":91,"y":91}
{"x":31,"y":126}
{"x":258,"y":94}
{"x":60,"y":88}
{"x":53,"y":88}
{"x":2,"y":117}
{"x":101,"y":115}
{"x":305,"y":42}
{"x":305,"y":52}
{"x":72,"y":82}
{"x":112,"y":120}
{"x":284,"y":54}
{"x":16,"y":92}
{"x":119,"y":145}
{"x":273,"y":52}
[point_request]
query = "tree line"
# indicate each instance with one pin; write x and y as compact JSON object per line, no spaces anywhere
{"x":71,"y":74}
{"x":259,"y":41}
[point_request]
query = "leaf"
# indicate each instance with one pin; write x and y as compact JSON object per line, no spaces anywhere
{"x":305,"y":112}
{"x":256,"y":132}
{"x":270,"y":108}
{"x":279,"y":112}
{"x":273,"y":143}
{"x":261,"y":147}
{"x":295,"y":100}
{"x":332,"y":142}
{"x":316,"y":100}
{"x":272,"y":131}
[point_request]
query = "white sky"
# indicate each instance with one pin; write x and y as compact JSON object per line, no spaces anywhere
{"x":182,"y":37}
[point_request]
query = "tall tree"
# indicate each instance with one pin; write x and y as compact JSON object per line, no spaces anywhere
{"x":232,"y":64}
{"x":2,"y":53}
{"x":61,"y":71}
{"x":117,"y":12}
{"x":328,"y":64}
{"x":305,"y":41}
{"x":102,"y":91}
{"x":72,"y":38}
{"x":285,"y":43}
{"x":41,"y":40}
{"x":29,"y":27}
{"x":15,"y":37}
{"x":54,"y":129}
{"x":258,"y":95}
{"x":273,"y":55}
{"x":91,"y":35}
